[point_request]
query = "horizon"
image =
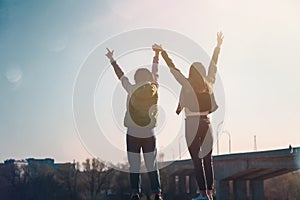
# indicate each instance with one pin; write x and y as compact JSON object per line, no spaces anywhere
{"x":159,"y":161}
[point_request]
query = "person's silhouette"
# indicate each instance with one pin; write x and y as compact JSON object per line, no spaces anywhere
{"x":140,"y":120}
{"x":197,"y":99}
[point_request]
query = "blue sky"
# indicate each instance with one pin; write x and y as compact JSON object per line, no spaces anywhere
{"x":44,"y":43}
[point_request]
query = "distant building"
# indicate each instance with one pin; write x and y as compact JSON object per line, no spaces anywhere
{"x":39,"y":163}
{"x":46,"y":161}
{"x":50,"y":163}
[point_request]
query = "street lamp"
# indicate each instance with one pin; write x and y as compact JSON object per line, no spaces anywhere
{"x":218,"y":147}
{"x":229,"y":139}
{"x":179,"y":146}
{"x":173,"y":154}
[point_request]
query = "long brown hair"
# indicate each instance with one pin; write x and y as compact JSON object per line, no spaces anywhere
{"x":197,"y":74}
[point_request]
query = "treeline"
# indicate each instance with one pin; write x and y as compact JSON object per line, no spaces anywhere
{"x":95,"y":180}
{"x":39,"y":181}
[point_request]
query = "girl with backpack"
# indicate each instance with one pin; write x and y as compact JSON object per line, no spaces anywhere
{"x":140,"y":120}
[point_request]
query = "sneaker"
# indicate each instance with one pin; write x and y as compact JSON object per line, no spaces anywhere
{"x":210,"y":194}
{"x":158,"y":197}
{"x":201,"y":197}
{"x":135,"y":197}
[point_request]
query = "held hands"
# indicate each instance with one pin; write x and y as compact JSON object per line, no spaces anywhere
{"x":109,"y":54}
{"x":220,"y":38}
{"x":157,"y":48}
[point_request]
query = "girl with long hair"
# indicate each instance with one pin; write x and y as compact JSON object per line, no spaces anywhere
{"x":198,"y":101}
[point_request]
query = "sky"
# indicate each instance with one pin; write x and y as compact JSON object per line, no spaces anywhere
{"x":44,"y":44}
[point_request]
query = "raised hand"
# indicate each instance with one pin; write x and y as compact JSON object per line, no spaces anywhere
{"x":109,"y":54}
{"x":220,"y":38}
{"x":157,"y":48}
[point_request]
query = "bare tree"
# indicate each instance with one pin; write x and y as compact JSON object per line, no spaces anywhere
{"x":97,"y":173}
{"x":67,"y":175}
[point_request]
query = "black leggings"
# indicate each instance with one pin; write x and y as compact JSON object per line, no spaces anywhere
{"x":200,"y":142}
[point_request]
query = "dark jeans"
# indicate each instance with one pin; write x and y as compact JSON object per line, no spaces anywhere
{"x":134,"y":146}
{"x":200,"y":143}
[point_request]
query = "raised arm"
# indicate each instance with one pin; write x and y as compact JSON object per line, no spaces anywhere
{"x":212,"y":69}
{"x":175,"y":71}
{"x":118,"y":71}
{"x":155,"y":63}
{"x":116,"y":67}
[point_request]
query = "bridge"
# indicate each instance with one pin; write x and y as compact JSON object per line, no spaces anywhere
{"x":237,"y":176}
